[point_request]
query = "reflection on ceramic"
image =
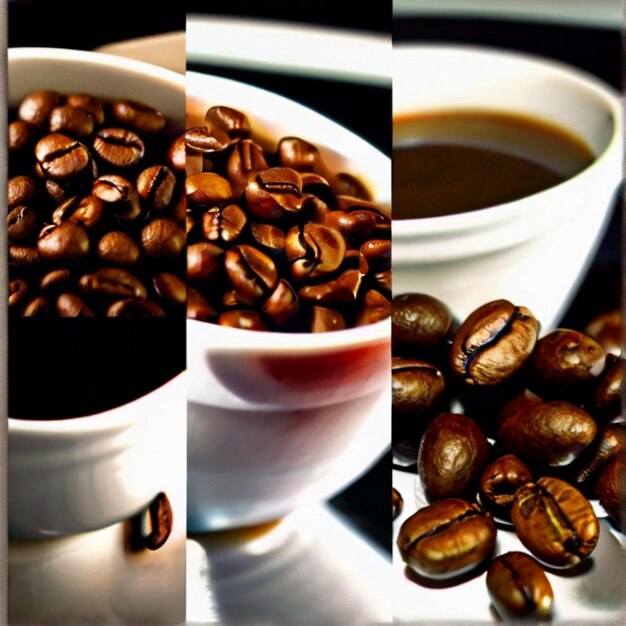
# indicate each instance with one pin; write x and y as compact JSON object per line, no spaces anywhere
{"x":592,"y":594}
{"x":533,"y":251}
{"x":291,"y":48}
{"x":605,"y":13}
{"x":69,"y":476}
{"x":278,"y":419}
{"x":309,"y":567}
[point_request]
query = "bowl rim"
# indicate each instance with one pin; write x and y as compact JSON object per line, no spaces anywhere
{"x":419,"y":227}
{"x":102,"y":59}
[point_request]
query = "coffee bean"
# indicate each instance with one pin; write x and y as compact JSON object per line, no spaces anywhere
{"x":118,"y":248}
{"x":114,"y":282}
{"x":20,"y":190}
{"x":493,"y":343}
{"x":71,"y":120}
{"x":138,"y":116}
{"x":314,"y":250}
{"x":610,"y":488}
{"x":70,"y":305}
{"x":500,"y":480}
{"x":229,"y":120}
{"x":397,"y":503}
{"x":135,"y":307}
{"x":452,"y":455}
{"x":64,"y":242}
{"x":251,"y":273}
{"x":555,"y":522}
{"x":156,"y":185}
{"x":60,"y":157}
{"x":245,"y":320}
{"x":118,"y":147}
{"x":416,"y":385}
{"x":518,"y":587}
{"x":35,"y":108}
{"x":151,"y":527}
{"x":21,"y":224}
{"x":162,"y":238}
{"x":224,"y":224}
{"x":447,"y":538}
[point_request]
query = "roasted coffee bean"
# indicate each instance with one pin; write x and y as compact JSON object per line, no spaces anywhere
{"x":275,"y":193}
{"x":546,"y":433}
{"x":610,"y":442}
{"x":419,"y":321}
{"x":500,"y":480}
{"x":118,"y":248}
{"x":231,"y":121}
{"x":21,"y":135}
{"x":71,"y":120}
{"x":170,"y":288}
{"x":118,"y":147}
{"x":251,"y":273}
{"x":452,"y":455}
{"x":20,"y":190}
{"x":493,"y":342}
{"x":35,"y":108}
{"x":447,"y":538}
{"x":203,"y":260}
{"x":397,"y":503}
{"x":113,"y":282}
{"x":39,"y":306}
{"x":151,"y":527}
{"x":203,"y":139}
{"x":118,"y":195}
{"x":607,"y":396}
{"x":88,"y":211}
{"x":416,"y":385}
{"x":162,"y":238}
{"x":61,"y":157}
{"x":55,"y":280}
{"x":269,"y":239}
{"x":282,"y":305}
{"x":135,"y":307}
{"x":138,"y":116}
{"x":518,"y":587}
{"x":555,"y":522}
{"x":224,"y":224}
{"x":298,"y":154}
{"x":313,"y":250}
{"x":199,"y":307}
{"x":207,"y":189}
{"x":343,"y":289}
{"x":246,"y":320}
{"x":18,"y":292}
{"x":610,"y":489}
{"x":245,"y":161}
{"x":324,"y":319}
{"x":70,"y":305}
{"x":177,"y":155}
{"x":66,"y":242}
{"x":88,"y":103}
{"x":564,"y":361}
{"x":23,"y":256}
{"x":607,"y":329}
{"x":376,"y":307}
{"x":22,"y":224}
{"x":156,"y":186}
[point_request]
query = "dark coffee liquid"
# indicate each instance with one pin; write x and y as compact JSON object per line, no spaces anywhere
{"x":81,"y":366}
{"x":460,"y":161}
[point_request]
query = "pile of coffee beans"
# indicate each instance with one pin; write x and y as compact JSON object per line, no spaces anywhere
{"x":509,"y":431}
{"x":276,"y":240}
{"x":95,"y":208}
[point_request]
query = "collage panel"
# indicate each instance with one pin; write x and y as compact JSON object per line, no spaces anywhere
{"x":507,"y":427}
{"x":288,"y":338}
{"x":96,"y":449}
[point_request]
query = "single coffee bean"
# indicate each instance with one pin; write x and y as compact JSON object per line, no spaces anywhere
{"x":416,"y":385}
{"x":397,"y":503}
{"x":324,"y":319}
{"x":23,"y":256}
{"x":70,"y":305}
{"x":156,"y":186}
{"x":555,"y":522}
{"x":170,"y":288}
{"x":112,"y":282}
{"x":565,"y":360}
{"x":314,"y":250}
{"x":21,"y":190}
{"x":177,"y":155}
{"x":607,"y":396}
{"x":452,"y":455}
{"x":138,"y":116}
{"x":35,"y":108}
{"x":245,"y":161}
{"x":251,"y":273}
{"x":88,"y":103}
{"x":376,"y":307}
{"x":163,"y":238}
{"x":518,"y":587}
{"x":275,"y":193}
{"x":88,"y":211}
{"x":39,"y":306}
{"x":419,"y":321}
{"x":151,"y":527}
{"x":22,"y":224}
{"x":225,"y":224}
{"x":494,"y":342}
{"x":231,"y":121}
{"x":21,"y":135}
{"x":71,"y":120}
{"x":199,"y":307}
{"x":203,"y":260}
{"x":61,"y":157}
{"x":447,"y":538}
{"x":18,"y":292}
{"x":66,"y":242}
{"x":207,"y":140}
{"x":500,"y":480}
{"x":135,"y":307}
{"x":119,"y":147}
{"x":55,"y":279}
{"x":245,"y":320}
{"x":610,"y":488}
{"x":298,"y":154}
{"x":282,"y":305}
{"x":610,"y":442}
{"x":118,"y":248}
{"x":546,"y":433}
{"x":207,"y":189}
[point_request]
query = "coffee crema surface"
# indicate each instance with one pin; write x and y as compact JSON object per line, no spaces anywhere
{"x":458,"y":161}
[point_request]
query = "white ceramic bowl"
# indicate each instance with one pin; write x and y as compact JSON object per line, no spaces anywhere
{"x":533,"y":251}
{"x":80,"y":474}
{"x":276,"y":420}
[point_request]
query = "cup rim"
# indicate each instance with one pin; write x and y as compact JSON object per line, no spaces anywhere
{"x":502,"y":213}
{"x":103,"y":59}
{"x":103,"y":421}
